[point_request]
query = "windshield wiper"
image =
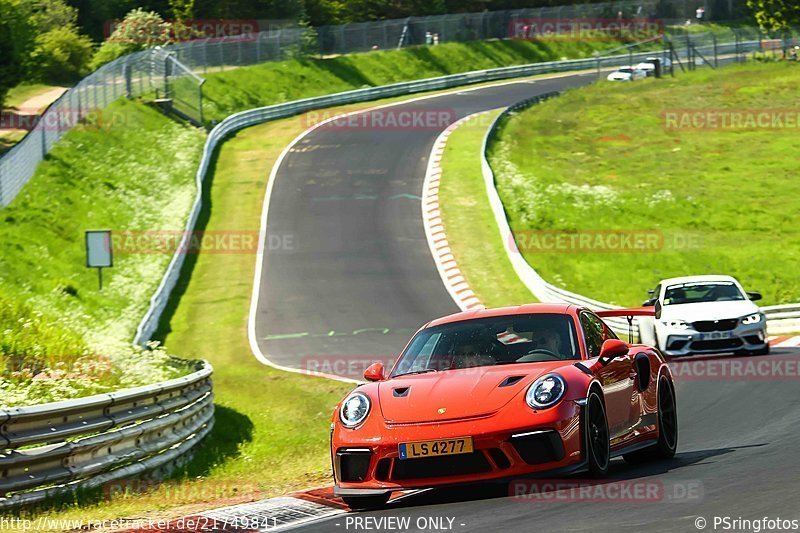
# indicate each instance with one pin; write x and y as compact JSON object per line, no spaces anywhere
{"x":416,"y":372}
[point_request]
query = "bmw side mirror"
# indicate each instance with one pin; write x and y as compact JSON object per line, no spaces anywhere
{"x":649,"y":303}
{"x":754,"y":296}
{"x":611,"y":349}
{"x":374,"y":372}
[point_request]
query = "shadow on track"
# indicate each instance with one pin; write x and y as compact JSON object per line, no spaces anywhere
{"x":620,"y":471}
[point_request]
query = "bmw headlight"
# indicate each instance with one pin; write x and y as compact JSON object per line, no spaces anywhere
{"x":354,"y":409}
{"x":546,"y":391}
{"x":676,"y":324}
{"x":755,"y":318}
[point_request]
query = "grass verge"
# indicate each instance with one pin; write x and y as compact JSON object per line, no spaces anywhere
{"x":472,"y":232}
{"x":606,"y":158}
{"x":136,"y":176}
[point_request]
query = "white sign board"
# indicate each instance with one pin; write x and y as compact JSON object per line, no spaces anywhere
{"x":98,"y":249}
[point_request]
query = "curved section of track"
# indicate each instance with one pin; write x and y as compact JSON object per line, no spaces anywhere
{"x":348,"y":275}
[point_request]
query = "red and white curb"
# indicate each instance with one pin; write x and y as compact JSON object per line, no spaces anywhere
{"x":451,"y":274}
{"x":785,"y":341}
{"x":273,"y":514}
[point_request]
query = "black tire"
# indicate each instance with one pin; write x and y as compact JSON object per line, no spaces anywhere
{"x":667,"y":428}
{"x":598,"y":443}
{"x":762,"y":351}
{"x":366,"y":503}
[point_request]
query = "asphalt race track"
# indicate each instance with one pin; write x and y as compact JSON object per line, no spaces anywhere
{"x":358,"y":279}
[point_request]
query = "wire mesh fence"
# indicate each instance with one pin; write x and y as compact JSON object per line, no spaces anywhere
{"x":219,"y":53}
{"x":154,"y":74}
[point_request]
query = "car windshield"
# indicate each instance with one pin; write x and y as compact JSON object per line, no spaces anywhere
{"x":490,"y":341}
{"x":626,"y":70}
{"x":690,"y":293}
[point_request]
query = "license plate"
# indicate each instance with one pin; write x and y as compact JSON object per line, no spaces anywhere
{"x":716,"y":335}
{"x":435,"y":448}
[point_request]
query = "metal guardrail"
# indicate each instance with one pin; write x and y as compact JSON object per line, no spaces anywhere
{"x":83,"y":443}
{"x":244,"y":119}
{"x":780,"y":318}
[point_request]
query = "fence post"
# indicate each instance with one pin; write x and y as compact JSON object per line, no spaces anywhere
{"x":200,"y":98}
{"x":716,"y":58}
{"x":126,"y":71}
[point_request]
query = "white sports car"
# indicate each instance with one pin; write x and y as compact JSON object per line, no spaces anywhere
{"x":649,"y":66}
{"x":627,"y":74}
{"x":705,"y":314}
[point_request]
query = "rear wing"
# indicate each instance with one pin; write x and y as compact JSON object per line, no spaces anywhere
{"x":630,"y":313}
{"x":638,"y":311}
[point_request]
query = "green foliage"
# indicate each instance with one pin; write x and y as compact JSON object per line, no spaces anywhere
{"x":62,"y":55}
{"x":16,"y":44}
{"x":139,"y":29}
{"x":775,"y":15}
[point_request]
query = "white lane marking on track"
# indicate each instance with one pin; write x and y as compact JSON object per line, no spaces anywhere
{"x":260,"y":257}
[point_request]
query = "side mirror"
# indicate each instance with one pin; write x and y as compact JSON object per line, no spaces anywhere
{"x":374,"y":372}
{"x":611,"y":349}
{"x":649,"y":303}
{"x":754,"y":296}
{"x":659,"y":308}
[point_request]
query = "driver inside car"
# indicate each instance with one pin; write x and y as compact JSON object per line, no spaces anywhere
{"x":547,"y":340}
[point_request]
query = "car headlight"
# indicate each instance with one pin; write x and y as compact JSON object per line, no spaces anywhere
{"x":546,"y":391}
{"x":354,"y":409}
{"x":676,"y":324}
{"x":755,"y":318}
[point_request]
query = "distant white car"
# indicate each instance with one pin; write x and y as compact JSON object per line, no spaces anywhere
{"x":705,"y":314}
{"x":627,"y":74}
{"x":649,"y":66}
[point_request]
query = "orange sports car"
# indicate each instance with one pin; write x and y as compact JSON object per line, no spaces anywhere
{"x":498,"y":393}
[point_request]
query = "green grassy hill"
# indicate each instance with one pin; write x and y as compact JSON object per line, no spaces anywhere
{"x":618,"y":157}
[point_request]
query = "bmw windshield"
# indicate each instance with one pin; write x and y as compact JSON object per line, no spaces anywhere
{"x":691,"y":293}
{"x":490,"y":341}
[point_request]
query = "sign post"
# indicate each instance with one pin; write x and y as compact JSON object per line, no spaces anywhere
{"x":98,"y":252}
